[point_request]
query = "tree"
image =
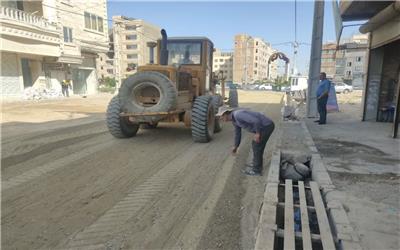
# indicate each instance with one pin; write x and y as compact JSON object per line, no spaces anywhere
{"x":281,"y":81}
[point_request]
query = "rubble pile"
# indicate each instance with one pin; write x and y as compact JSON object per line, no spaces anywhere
{"x":290,"y":113}
{"x":296,"y":168}
{"x":31,"y":93}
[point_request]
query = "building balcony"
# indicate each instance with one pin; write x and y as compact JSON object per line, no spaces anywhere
{"x":23,"y":32}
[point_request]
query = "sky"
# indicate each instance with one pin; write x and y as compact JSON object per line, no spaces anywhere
{"x":271,"y":20}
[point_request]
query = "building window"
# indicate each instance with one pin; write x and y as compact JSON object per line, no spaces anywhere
{"x":93,"y":22}
{"x":87,"y":20}
{"x":100,"y":24}
{"x":348,"y":73}
{"x":256,"y":65}
{"x":349,"y":64}
{"x":130,"y":27}
{"x":131,"y":46}
{"x":221,"y":60}
{"x":256,"y":43}
{"x":67,"y":34}
{"x":131,"y":37}
{"x":359,"y":58}
{"x":110,"y":71}
{"x":255,"y":72}
{"x":256,"y":50}
{"x":132,"y":56}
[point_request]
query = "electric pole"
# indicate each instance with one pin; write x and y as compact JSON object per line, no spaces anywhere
{"x":315,"y":58}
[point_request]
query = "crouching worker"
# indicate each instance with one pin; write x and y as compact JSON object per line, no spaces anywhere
{"x":254,"y":122}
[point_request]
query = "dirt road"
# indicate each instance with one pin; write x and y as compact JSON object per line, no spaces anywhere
{"x":67,"y":183}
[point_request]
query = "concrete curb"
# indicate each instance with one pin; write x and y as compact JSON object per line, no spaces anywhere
{"x":346,"y":237}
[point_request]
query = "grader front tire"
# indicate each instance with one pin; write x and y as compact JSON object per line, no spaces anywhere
{"x":118,"y":126}
{"x":203,"y":119}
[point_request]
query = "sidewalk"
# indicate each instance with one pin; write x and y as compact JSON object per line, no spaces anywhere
{"x":364,"y":164}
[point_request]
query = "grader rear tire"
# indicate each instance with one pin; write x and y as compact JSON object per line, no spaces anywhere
{"x":119,"y":126}
{"x":203,"y":119}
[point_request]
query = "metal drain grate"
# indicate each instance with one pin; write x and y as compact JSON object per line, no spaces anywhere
{"x":302,"y":221}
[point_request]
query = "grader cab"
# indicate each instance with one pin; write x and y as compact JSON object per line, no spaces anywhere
{"x":179,"y":88}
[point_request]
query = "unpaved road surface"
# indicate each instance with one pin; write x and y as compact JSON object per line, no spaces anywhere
{"x":68,"y":184}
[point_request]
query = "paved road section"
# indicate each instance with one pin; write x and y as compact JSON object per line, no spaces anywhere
{"x":77,"y":187}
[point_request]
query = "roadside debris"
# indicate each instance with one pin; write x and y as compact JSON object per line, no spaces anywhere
{"x":296,"y":168}
{"x":290,"y":113}
{"x":31,"y":93}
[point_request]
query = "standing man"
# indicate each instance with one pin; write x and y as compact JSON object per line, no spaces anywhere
{"x":254,"y":122}
{"x":65,"y":85}
{"x":322,"y":97}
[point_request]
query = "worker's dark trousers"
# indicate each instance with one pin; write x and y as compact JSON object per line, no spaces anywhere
{"x":65,"y":91}
{"x":321,"y":103}
{"x":258,"y":148}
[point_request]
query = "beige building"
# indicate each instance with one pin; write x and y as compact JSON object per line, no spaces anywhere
{"x":130,"y":37}
{"x":250,"y":62}
{"x":223,"y":61}
{"x":45,"y":42}
{"x":105,"y":61}
{"x":328,"y":59}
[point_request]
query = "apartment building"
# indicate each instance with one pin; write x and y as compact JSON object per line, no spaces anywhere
{"x":347,"y":62}
{"x":355,"y":61}
{"x":223,"y":62}
{"x":328,"y":59}
{"x":105,"y":61}
{"x":130,"y":37}
{"x":45,"y":42}
{"x":250,"y":62}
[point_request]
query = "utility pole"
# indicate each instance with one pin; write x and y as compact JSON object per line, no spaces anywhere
{"x":315,"y":58}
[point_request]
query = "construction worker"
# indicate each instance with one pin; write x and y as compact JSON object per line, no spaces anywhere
{"x":254,"y":122}
{"x":65,"y":85}
{"x":322,"y":97}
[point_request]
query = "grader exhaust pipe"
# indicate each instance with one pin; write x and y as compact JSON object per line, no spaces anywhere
{"x":163,"y":50}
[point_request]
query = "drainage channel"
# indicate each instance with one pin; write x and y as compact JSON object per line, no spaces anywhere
{"x":295,"y":213}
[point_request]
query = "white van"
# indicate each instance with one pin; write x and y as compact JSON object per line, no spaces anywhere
{"x":298,"y":83}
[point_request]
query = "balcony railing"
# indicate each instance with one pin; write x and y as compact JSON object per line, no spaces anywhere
{"x":25,"y":17}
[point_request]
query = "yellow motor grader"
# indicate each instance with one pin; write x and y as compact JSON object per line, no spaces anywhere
{"x":180,"y":87}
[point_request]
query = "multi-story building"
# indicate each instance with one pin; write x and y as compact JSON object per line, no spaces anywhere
{"x":223,"y":61}
{"x":347,"y":61}
{"x":130,"y":37}
{"x":328,"y":59}
{"x":353,"y":68}
{"x":354,"y":64}
{"x":105,"y":61}
{"x":250,"y":61}
{"x":45,"y":42}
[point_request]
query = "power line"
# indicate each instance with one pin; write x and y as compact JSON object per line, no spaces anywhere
{"x":295,"y":21}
